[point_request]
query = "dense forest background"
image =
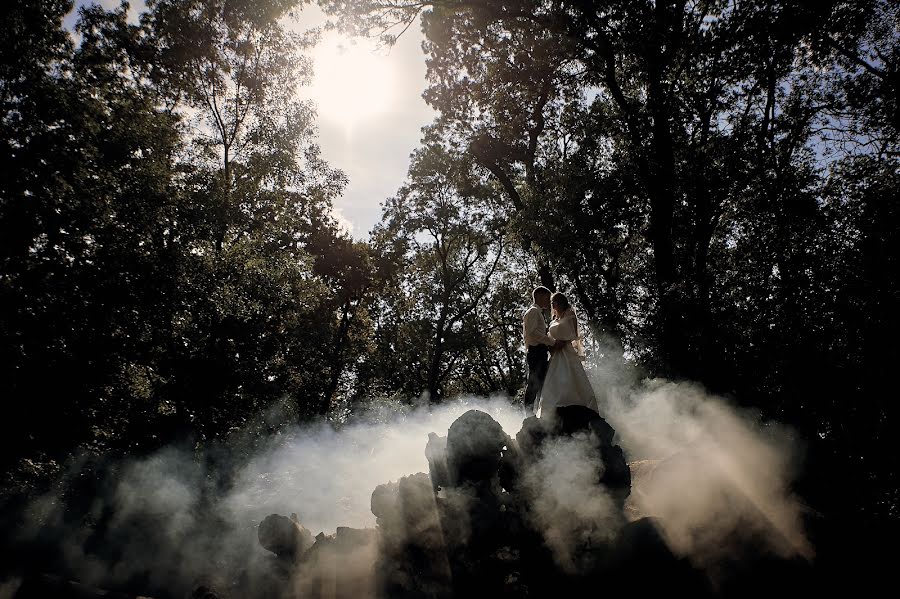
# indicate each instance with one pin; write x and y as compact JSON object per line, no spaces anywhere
{"x":715,"y":182}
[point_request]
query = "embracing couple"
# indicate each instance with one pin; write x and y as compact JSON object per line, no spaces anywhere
{"x":556,"y":376}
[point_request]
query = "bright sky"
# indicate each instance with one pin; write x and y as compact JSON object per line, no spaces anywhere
{"x":371,"y":112}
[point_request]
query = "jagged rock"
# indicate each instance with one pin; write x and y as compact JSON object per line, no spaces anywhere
{"x":338,"y":566}
{"x":475,"y":444}
{"x":532,"y":434}
{"x":407,"y":503}
{"x":614,"y":473}
{"x":412,"y":559}
{"x":283,"y":536}
{"x":473,"y":515}
{"x":574,"y":419}
{"x":436,"y":454}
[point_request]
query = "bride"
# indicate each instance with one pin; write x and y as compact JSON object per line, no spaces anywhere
{"x":566,"y":383}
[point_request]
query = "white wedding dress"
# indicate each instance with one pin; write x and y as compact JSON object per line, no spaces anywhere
{"x":567,"y":383}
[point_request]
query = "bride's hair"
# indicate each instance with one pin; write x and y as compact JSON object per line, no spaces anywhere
{"x":560,"y":300}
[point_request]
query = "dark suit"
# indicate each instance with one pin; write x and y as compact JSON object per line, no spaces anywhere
{"x":537,"y":359}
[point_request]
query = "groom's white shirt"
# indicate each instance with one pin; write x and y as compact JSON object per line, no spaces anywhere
{"x":534,"y":329}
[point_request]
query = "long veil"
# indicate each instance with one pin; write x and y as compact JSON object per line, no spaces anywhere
{"x":578,"y":341}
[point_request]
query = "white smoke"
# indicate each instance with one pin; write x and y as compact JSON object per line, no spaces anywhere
{"x":169,"y":520}
{"x":718,"y":478}
{"x":327,"y":476}
{"x":566,"y":504}
{"x":712,"y":475}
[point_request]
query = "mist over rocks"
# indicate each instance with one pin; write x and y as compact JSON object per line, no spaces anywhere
{"x":537,"y":515}
{"x":500,"y":503}
{"x":530,"y":516}
{"x":500,"y":517}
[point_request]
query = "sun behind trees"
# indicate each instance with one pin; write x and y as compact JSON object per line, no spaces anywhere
{"x":716,"y":184}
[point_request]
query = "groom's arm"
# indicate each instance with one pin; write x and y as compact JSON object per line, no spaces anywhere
{"x":534,"y":330}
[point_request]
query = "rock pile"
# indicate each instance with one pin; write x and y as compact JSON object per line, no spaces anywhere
{"x":481,"y":522}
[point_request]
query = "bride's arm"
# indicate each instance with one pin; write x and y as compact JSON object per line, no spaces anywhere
{"x":568,"y":329}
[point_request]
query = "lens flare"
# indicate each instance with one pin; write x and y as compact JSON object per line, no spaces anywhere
{"x":353,"y":81}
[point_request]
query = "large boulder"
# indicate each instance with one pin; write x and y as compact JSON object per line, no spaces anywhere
{"x":475,"y":444}
{"x":570,"y":421}
{"x":283,"y":536}
{"x":338,"y":566}
{"x":412,"y":557}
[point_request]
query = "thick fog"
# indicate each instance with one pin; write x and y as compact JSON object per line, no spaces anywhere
{"x":716,"y":477}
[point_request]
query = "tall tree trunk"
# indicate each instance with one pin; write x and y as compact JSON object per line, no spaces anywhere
{"x":434,"y":365}
{"x":226,"y":200}
{"x":337,"y":357}
{"x":660,"y":188}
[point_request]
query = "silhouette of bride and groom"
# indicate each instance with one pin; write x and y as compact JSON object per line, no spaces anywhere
{"x":556,"y":375}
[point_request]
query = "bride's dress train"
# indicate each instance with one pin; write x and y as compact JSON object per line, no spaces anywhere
{"x":566,"y":383}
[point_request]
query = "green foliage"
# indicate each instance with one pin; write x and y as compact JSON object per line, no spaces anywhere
{"x":170,"y":262}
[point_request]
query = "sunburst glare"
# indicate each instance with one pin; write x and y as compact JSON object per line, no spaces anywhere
{"x":353,"y":81}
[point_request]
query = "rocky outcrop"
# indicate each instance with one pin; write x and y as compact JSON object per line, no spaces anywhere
{"x":478,"y":524}
{"x":538,"y":515}
{"x":285,"y":537}
{"x":613,"y":473}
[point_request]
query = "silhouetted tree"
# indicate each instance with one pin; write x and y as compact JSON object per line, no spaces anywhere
{"x":170,"y":262}
{"x":449,"y":316}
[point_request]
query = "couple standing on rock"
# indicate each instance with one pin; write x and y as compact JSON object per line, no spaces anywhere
{"x":556,"y":376}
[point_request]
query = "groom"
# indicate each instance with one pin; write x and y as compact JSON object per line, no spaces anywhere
{"x":538,"y":343}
